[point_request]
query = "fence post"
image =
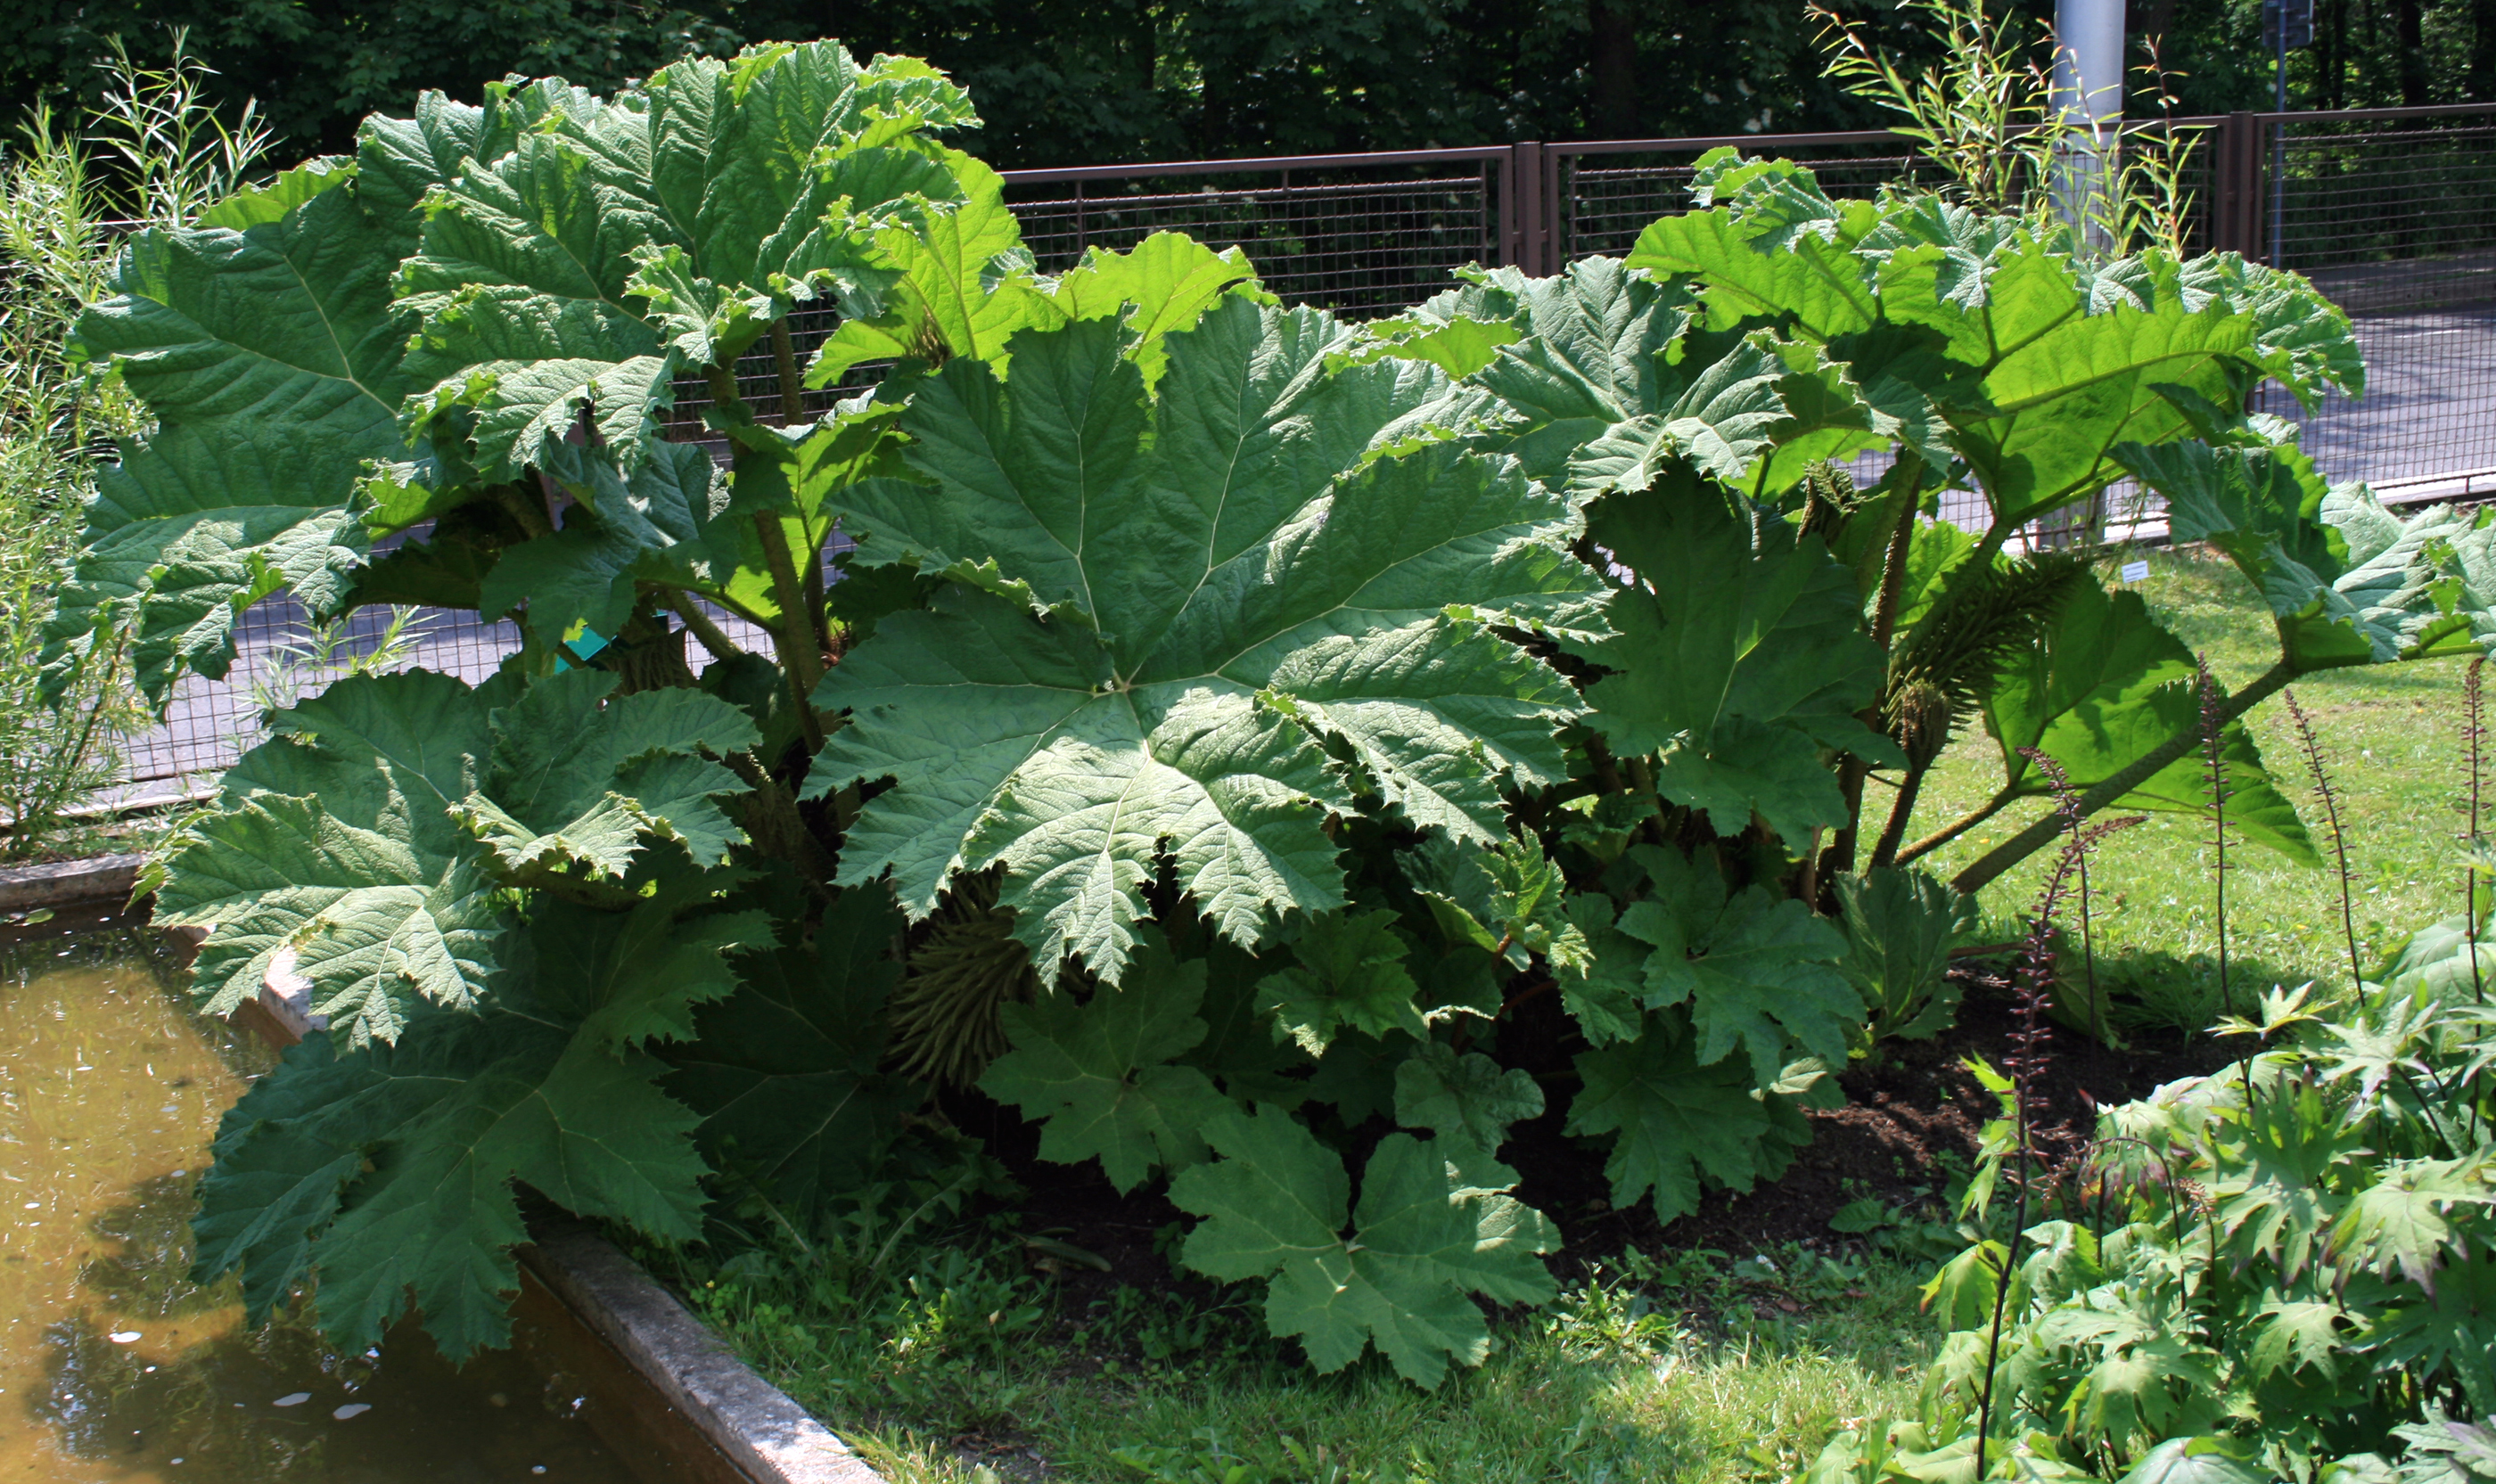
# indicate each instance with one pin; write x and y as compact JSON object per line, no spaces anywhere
{"x":2239,"y":167}
{"x":1525,"y":247}
{"x":1503,"y":250}
{"x":1558,"y":207}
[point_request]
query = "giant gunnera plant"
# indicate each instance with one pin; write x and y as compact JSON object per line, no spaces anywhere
{"x":1275,"y":755}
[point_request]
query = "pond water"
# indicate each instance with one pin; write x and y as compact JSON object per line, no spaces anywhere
{"x":113,"y":1366}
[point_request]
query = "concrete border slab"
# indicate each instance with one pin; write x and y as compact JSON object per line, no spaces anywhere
{"x":99,"y":878}
{"x":749,"y":1420}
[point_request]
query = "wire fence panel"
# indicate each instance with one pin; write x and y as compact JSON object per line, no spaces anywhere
{"x":2393,"y":213}
{"x":1359,"y":236}
{"x":1606,"y":193}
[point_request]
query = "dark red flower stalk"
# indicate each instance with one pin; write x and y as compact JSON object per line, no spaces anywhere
{"x":2213,"y":729}
{"x":2474,"y":737}
{"x":2331,"y":797}
{"x":2215,"y":770}
{"x":2030,"y":1040}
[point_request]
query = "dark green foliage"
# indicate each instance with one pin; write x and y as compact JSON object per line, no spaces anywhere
{"x":785,"y":1071}
{"x":1064,"y":83}
{"x":1900,"y":926}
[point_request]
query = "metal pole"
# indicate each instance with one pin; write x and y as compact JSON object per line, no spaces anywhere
{"x":2279,"y":141}
{"x":2088,"y":105}
{"x":2088,"y":99}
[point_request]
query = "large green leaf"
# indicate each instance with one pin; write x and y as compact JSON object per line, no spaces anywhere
{"x":750,"y":157}
{"x":1608,"y":385}
{"x":670,"y":521}
{"x":2347,"y":581}
{"x":959,"y":283}
{"x":784,"y":1071}
{"x":400,"y":161}
{"x":1101,"y":1074}
{"x":2104,"y":684}
{"x":1899,"y":928}
{"x":2036,"y":363}
{"x":578,"y":778}
{"x":562,"y":257}
{"x":288,"y":320}
{"x":1738,"y":654}
{"x":346,"y":838}
{"x":1716,"y":420}
{"x":1754,"y":263}
{"x":1165,"y":283}
{"x":2302,"y":338}
{"x":1590,"y":361}
{"x":2065,"y":366}
{"x":1351,"y":976}
{"x":335,"y":840}
{"x":270,"y":357}
{"x":1226,"y":575}
{"x":1756,"y":970}
{"x":564,"y":285}
{"x":387,"y":1172}
{"x":1275,"y":1207}
{"x":1675,"y":1120}
{"x":1464,"y":1095}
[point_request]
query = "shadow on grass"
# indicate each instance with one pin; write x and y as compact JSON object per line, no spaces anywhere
{"x":2157,"y":992}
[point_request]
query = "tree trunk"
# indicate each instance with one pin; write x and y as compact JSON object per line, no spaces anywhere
{"x":2149,"y":19}
{"x":1612,"y":100}
{"x":2331,"y":54}
{"x":1143,"y":48}
{"x":2483,"y":51}
{"x":2413,"y":43}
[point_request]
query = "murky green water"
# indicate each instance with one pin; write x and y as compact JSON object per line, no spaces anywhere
{"x":112,"y":1365}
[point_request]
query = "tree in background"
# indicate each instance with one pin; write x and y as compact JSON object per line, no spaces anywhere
{"x":1061,"y":81}
{"x":1089,"y":82}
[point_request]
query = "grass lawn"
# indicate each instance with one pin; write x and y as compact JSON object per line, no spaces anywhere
{"x":1694,"y":1367}
{"x":2391,"y":736}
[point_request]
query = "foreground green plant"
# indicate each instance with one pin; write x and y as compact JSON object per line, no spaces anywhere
{"x":1275,"y":755}
{"x":2272,"y":1271}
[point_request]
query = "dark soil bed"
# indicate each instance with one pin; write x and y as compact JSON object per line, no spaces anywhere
{"x":1909,"y":1121}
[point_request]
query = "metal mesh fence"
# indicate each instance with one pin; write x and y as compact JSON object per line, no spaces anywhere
{"x":1607,"y":197}
{"x":1358,"y":241}
{"x":2395,"y":219}
{"x":2397,"y":224}
{"x":282,"y":655}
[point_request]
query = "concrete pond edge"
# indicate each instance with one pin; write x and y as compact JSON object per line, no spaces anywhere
{"x":98,"y":880}
{"x":750,"y":1421}
{"x":755,"y":1426}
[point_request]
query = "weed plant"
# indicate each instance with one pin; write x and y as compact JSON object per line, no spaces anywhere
{"x":2275,"y":1274}
{"x":152,"y":151}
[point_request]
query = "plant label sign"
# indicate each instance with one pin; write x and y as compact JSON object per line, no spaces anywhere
{"x":2135,"y":571}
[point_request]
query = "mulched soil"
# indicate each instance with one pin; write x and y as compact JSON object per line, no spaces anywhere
{"x":1917,"y":1101}
{"x":1907,"y":1114}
